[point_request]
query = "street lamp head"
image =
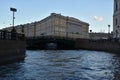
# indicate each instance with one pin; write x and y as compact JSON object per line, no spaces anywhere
{"x":13,"y":9}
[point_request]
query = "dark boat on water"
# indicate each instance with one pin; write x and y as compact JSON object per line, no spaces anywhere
{"x":12,"y":46}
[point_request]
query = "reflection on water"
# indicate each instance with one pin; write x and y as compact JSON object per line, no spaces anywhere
{"x":63,"y":65}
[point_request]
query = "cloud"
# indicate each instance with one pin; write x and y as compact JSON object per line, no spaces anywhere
{"x":99,"y":19}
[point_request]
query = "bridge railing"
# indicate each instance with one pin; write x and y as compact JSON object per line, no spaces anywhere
{"x":50,"y":37}
{"x":5,"y":35}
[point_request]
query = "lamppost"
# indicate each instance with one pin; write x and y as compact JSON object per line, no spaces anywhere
{"x":108,"y":28}
{"x":13,"y":10}
{"x":13,"y":31}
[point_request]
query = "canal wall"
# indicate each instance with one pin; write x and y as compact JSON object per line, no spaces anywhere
{"x":11,"y":50}
{"x":98,"y":45}
{"x":12,"y":46}
{"x":73,"y":44}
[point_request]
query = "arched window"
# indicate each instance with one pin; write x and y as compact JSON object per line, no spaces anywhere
{"x":116,"y":21}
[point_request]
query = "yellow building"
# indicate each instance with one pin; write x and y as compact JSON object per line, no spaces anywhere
{"x":55,"y":25}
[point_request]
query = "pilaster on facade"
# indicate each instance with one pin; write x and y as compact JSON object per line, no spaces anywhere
{"x":116,"y":19}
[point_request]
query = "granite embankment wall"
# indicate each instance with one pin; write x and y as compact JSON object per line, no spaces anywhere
{"x":12,"y":50}
{"x":98,"y":45}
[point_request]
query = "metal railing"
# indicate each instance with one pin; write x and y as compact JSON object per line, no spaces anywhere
{"x":5,"y":35}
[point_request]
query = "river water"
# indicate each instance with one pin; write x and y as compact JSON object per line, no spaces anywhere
{"x":63,"y":65}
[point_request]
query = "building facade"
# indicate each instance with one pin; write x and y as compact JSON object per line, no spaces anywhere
{"x":55,"y":25}
{"x":116,"y":19}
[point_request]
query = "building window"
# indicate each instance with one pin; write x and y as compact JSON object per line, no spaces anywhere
{"x":22,"y":30}
{"x":116,"y":33}
{"x":116,"y":21}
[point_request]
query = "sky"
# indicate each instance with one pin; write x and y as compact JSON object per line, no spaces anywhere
{"x":98,"y":13}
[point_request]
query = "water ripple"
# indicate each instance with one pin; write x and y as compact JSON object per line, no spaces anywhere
{"x":64,"y":65}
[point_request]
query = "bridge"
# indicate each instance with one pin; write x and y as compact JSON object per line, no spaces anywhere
{"x":50,"y":42}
